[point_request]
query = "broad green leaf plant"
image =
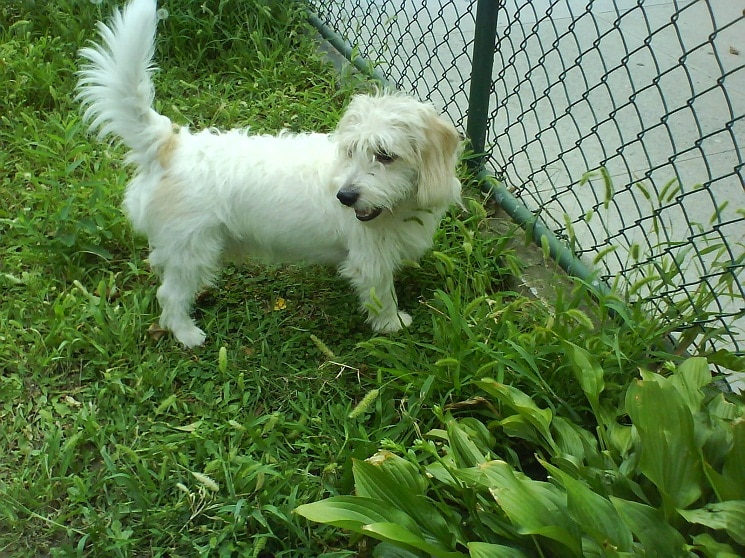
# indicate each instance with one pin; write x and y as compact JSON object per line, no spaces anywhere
{"x":662,"y":474}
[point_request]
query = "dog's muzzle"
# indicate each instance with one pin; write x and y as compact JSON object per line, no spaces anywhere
{"x":350,"y":197}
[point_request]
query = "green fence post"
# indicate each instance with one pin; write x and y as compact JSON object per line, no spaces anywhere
{"x":484,"y":41}
{"x":477,"y":123}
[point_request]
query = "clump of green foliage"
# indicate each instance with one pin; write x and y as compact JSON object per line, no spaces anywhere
{"x":659,"y":472}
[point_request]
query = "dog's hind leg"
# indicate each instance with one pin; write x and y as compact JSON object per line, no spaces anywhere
{"x":176,"y":295}
{"x":183,"y":274}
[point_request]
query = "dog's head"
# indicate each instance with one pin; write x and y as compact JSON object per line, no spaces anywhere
{"x":394,"y":150}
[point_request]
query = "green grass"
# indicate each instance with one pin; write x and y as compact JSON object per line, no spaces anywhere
{"x":115,"y":442}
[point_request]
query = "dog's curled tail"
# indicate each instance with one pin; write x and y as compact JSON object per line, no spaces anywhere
{"x":114,"y":84}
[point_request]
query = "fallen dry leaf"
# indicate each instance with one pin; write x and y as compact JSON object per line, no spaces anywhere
{"x":156,"y":332}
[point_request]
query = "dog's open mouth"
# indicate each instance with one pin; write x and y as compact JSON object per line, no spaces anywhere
{"x":368,"y":214}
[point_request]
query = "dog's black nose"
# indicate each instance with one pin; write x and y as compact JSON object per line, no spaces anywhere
{"x":347,"y":197}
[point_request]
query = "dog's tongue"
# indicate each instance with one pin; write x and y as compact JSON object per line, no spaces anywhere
{"x":368,"y":214}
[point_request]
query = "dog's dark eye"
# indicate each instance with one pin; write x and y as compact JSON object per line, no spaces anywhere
{"x":385,"y":158}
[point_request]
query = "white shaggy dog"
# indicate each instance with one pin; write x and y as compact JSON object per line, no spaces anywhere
{"x":364,"y":198}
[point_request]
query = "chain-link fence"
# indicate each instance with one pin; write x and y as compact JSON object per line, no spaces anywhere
{"x":620,"y":123}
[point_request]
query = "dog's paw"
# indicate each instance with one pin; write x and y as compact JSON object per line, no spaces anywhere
{"x":391,"y":324}
{"x":404,"y":319}
{"x":190,"y":337}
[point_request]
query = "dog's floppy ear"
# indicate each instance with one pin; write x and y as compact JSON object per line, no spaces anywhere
{"x":438,"y":187}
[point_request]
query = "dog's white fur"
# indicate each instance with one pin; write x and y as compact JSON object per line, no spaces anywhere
{"x":364,"y":198}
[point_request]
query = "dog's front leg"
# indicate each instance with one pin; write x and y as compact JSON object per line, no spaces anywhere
{"x":373,"y":282}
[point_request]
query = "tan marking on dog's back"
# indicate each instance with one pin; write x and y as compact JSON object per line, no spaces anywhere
{"x":167,"y":201}
{"x":166,"y":149}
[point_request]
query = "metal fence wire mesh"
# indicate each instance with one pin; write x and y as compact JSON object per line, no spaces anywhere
{"x":621,"y":123}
